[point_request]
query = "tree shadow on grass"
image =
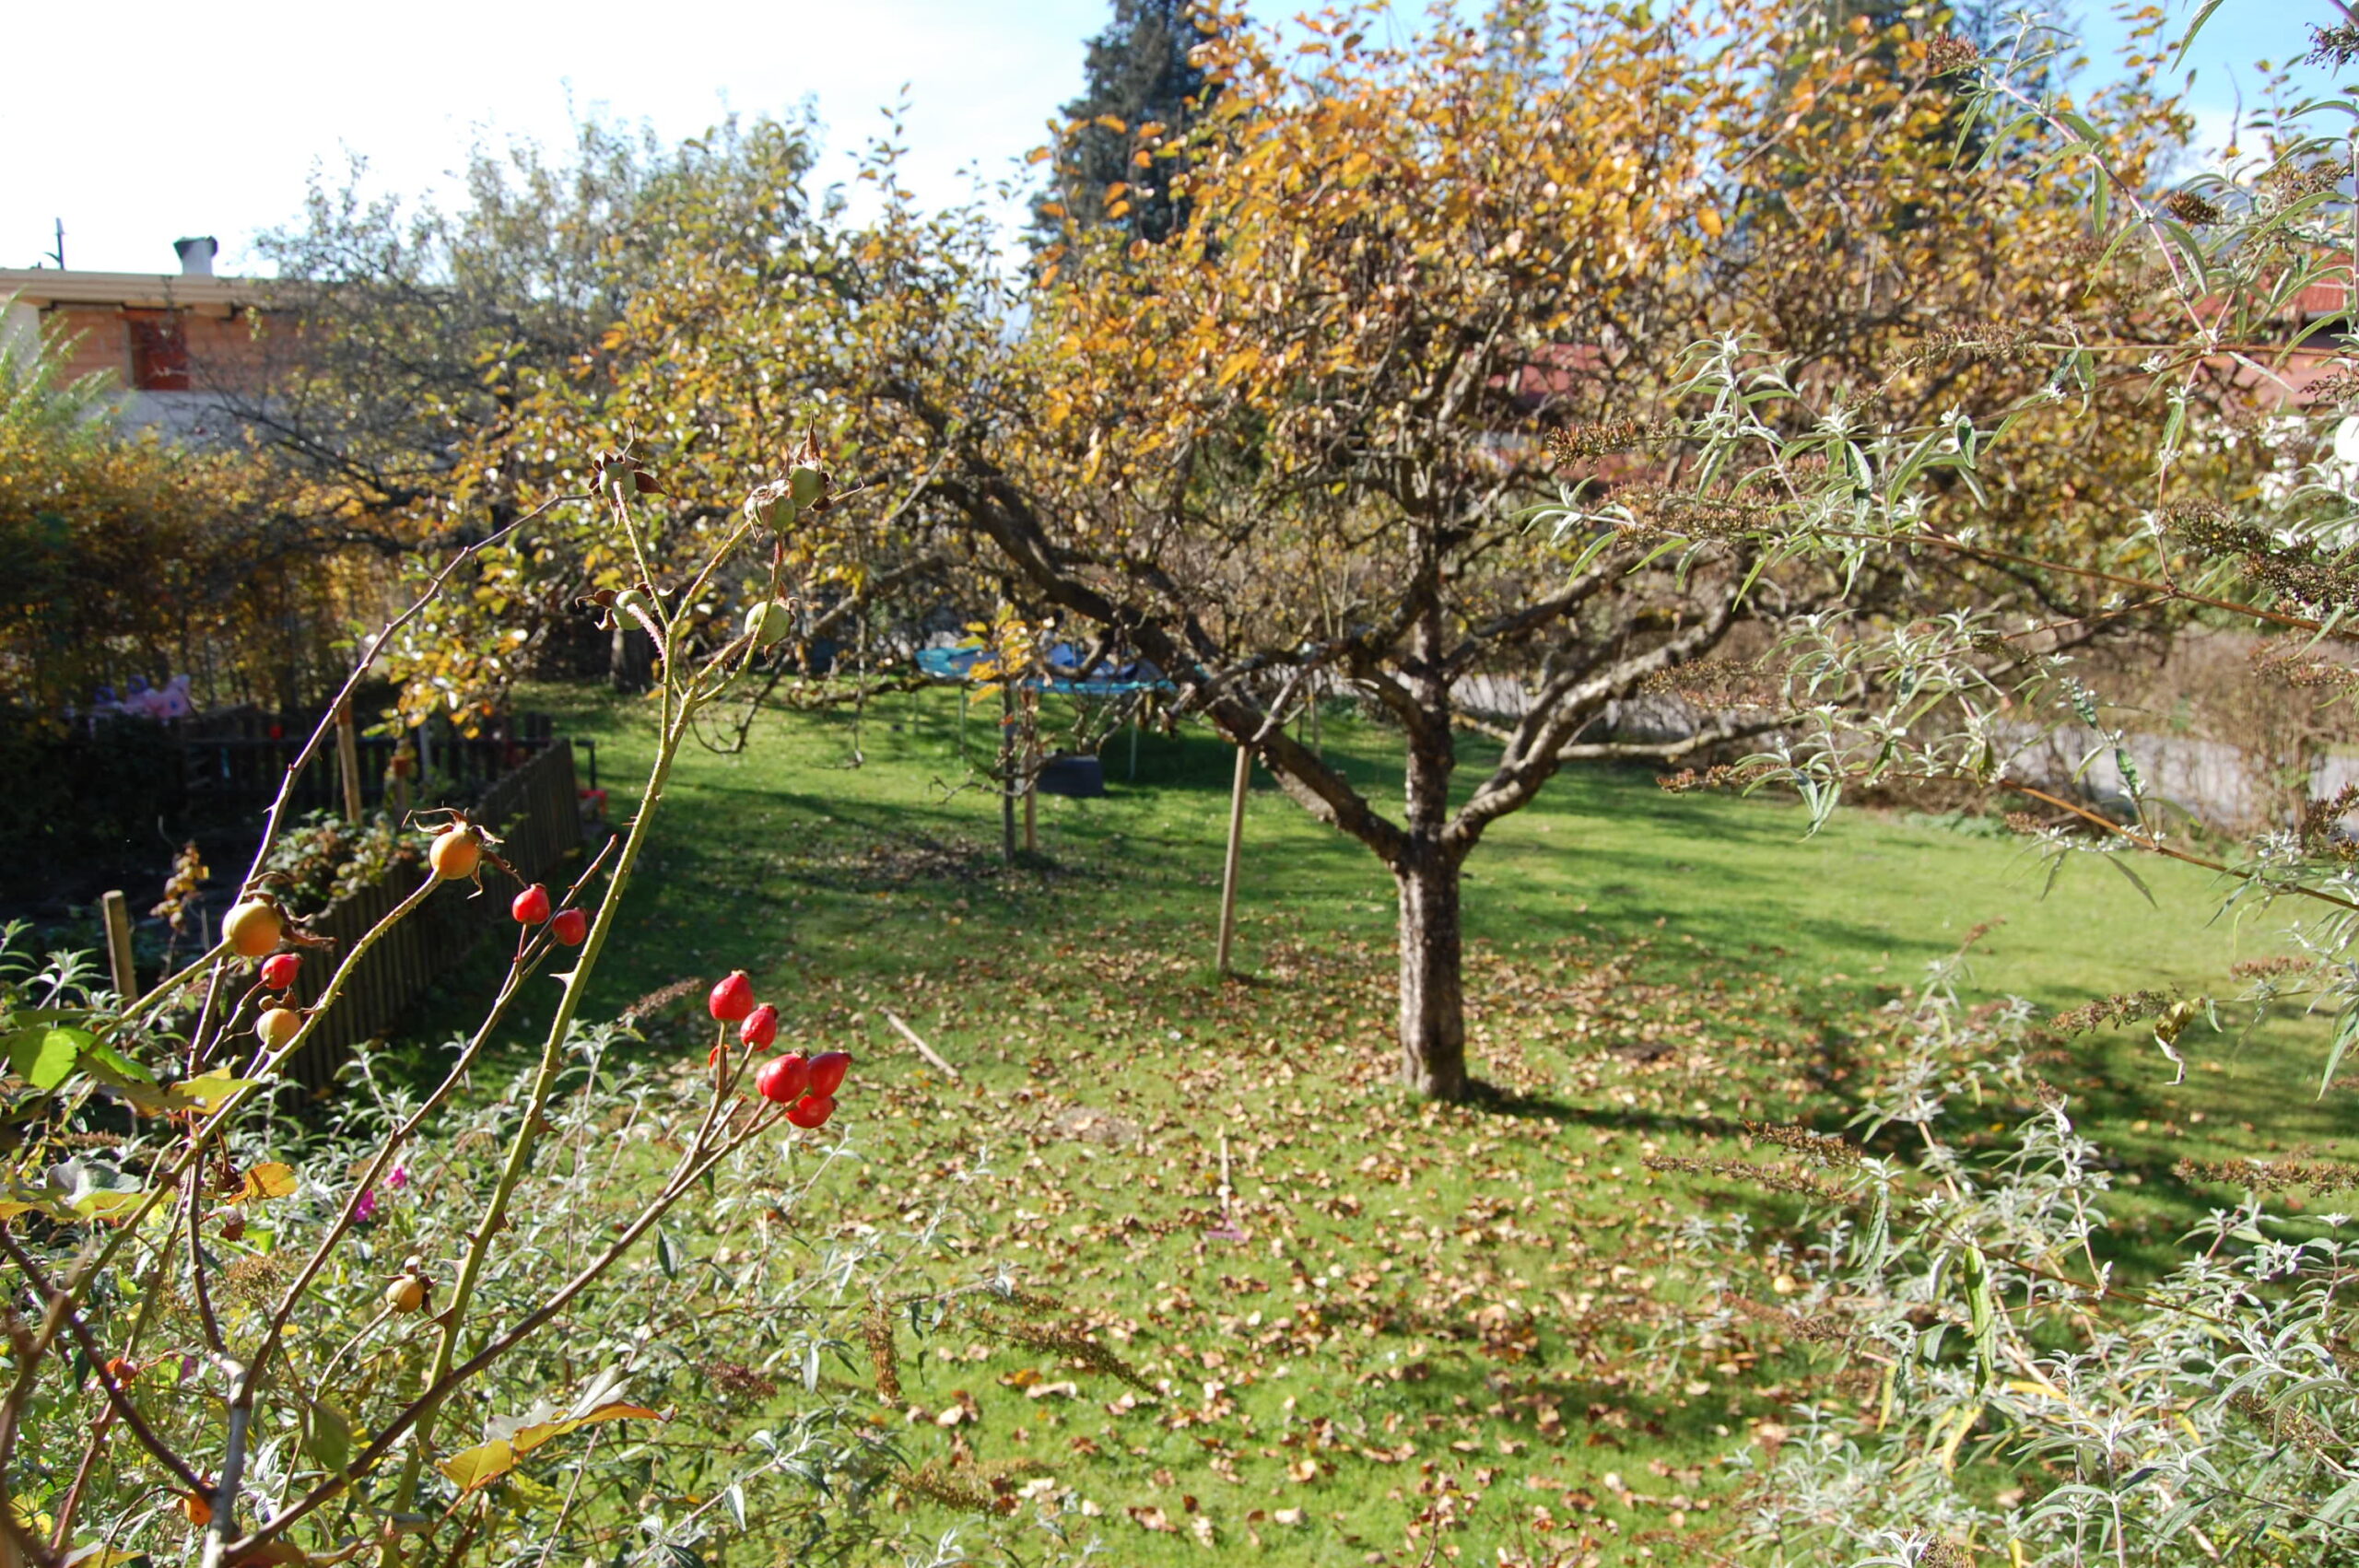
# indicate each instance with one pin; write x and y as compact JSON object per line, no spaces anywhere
{"x":1495,"y":1101}
{"x":1524,"y":1374}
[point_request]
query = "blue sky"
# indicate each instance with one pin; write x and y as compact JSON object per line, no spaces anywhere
{"x":162,"y":121}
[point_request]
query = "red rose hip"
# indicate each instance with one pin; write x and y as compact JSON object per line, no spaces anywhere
{"x":278,"y":970}
{"x":571,"y":927}
{"x":760,"y":1028}
{"x":827,"y":1070}
{"x":733,"y":997}
{"x":783,"y":1078}
{"x":531,"y":907}
{"x":811,"y":1110}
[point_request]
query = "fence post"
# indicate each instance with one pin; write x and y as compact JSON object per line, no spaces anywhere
{"x":347,"y":760}
{"x":117,"y":913}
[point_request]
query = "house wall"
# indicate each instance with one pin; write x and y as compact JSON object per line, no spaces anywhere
{"x":217,"y":341}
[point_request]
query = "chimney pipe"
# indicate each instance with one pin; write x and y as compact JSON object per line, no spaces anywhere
{"x":196,"y":255}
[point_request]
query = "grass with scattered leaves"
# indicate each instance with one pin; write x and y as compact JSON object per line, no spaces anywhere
{"x":1378,"y":1331}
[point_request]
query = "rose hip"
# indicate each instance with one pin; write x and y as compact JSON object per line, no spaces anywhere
{"x":531,"y":907}
{"x":278,"y":970}
{"x":253,"y":928}
{"x":455,"y":852}
{"x":760,"y":1028}
{"x":811,"y":1110}
{"x":827,"y":1070}
{"x":571,"y":927}
{"x":733,"y":997}
{"x":783,"y":1079}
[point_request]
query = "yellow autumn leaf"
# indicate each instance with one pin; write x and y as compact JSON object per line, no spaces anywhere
{"x":207,"y":1091}
{"x":472,"y":1469}
{"x":269,"y":1180}
{"x":95,"y":1555}
{"x":106,"y":1203}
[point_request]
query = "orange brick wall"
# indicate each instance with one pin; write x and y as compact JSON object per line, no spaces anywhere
{"x":99,"y":342}
{"x":215,"y":342}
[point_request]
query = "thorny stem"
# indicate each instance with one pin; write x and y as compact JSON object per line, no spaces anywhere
{"x":723,"y":1135}
{"x":163,"y":988}
{"x":58,"y":1314}
{"x":61,"y":1308}
{"x":62,"y":1534}
{"x":200,"y":1136}
{"x":192,"y":1184}
{"x":31,"y":1350}
{"x":528,"y":1125}
{"x":169,"y":1179}
{"x":676,"y":726}
{"x":526,"y":960}
{"x":224,"y":1527}
{"x":694,"y":1164}
{"x":360,"y":670}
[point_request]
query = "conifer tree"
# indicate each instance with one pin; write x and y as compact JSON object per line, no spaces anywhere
{"x":1139,"y":75}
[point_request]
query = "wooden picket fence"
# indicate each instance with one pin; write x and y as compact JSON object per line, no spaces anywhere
{"x":535,"y":812}
{"x":236,"y":759}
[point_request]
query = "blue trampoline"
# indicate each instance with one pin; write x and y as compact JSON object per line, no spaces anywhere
{"x":1063,"y":678}
{"x":1079,"y":775}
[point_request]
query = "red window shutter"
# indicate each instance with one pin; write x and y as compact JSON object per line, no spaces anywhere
{"x":158,"y":351}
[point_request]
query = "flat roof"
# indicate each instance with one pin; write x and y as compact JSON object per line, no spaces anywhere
{"x":140,"y":290}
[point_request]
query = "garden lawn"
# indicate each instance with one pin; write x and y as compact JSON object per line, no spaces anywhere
{"x":1373,"y":1328}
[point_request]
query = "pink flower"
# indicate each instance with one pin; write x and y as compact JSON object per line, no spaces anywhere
{"x":366,"y":1209}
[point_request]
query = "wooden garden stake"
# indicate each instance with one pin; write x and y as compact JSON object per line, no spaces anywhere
{"x":924,"y":1049}
{"x":348,"y":761}
{"x":1031,"y":790}
{"x":1007,"y":773}
{"x":1236,"y":840}
{"x":117,"y":910}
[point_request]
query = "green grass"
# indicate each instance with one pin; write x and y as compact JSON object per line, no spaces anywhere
{"x":1435,"y":1319}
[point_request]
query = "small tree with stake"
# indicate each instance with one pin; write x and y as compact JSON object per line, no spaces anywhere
{"x":1294,"y":446}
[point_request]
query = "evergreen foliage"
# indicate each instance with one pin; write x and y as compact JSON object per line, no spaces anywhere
{"x":1140,"y":73}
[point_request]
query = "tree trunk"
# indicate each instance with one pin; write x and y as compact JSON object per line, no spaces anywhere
{"x":1433,"y":1003}
{"x":1433,"y":1006}
{"x":630,"y":659}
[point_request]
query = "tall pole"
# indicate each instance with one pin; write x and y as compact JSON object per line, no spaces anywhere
{"x":1236,"y":840}
{"x":1007,"y":773}
{"x":1032,"y":779}
{"x":347,"y":760}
